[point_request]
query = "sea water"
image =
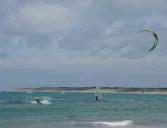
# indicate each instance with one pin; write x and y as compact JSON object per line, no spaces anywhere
{"x":80,"y":110}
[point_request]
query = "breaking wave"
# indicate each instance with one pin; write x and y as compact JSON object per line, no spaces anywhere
{"x":114,"y":124}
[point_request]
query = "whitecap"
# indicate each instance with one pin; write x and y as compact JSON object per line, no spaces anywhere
{"x":114,"y":124}
{"x":29,"y":92}
{"x":45,"y":101}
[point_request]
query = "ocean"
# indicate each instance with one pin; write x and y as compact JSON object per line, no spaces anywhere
{"x":80,"y":110}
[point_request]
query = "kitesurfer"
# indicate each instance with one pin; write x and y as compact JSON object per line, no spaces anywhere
{"x":96,"y":98}
{"x":38,"y":101}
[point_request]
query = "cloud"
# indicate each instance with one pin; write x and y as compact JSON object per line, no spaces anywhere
{"x":39,"y":19}
{"x":90,"y":38}
{"x":4,"y":54}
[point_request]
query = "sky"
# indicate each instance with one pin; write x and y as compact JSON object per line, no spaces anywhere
{"x":82,"y":43}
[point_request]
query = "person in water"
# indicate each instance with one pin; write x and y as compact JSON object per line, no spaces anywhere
{"x":96,"y":98}
{"x":38,"y":101}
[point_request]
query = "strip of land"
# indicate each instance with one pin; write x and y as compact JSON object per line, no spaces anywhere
{"x":93,"y":89}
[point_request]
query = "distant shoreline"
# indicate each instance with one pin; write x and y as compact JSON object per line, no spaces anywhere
{"x":93,"y":89}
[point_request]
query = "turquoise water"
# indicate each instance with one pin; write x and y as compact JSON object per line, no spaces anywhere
{"x":80,"y":110}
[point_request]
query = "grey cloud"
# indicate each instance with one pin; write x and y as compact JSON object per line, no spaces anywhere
{"x":82,"y":38}
{"x":39,"y":20}
{"x":4,"y":55}
{"x":121,"y":40}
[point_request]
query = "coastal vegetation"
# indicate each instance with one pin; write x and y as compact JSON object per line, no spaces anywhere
{"x":92,"y":89}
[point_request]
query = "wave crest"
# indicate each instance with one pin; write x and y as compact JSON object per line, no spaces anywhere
{"x":114,"y":124}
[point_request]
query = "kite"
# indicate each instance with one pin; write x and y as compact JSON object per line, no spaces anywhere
{"x":155,"y":36}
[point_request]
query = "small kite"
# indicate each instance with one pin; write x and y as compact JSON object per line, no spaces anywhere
{"x":155,"y":36}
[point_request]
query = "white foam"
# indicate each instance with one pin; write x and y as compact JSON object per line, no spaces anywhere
{"x":114,"y":124}
{"x":29,"y":92}
{"x":32,"y":102}
{"x":45,"y":102}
